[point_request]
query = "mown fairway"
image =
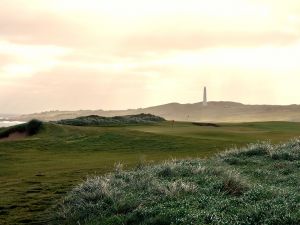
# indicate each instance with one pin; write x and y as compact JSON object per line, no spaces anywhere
{"x":36,"y":171}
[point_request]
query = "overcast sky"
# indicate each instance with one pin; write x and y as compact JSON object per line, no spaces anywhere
{"x":119,"y":54}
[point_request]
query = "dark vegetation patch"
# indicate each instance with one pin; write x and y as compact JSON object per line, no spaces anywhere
{"x":217,"y":191}
{"x":95,"y":120}
{"x":206,"y":124}
{"x":30,"y":128}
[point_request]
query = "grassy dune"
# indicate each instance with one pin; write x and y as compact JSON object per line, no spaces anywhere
{"x":37,"y":171}
{"x":255,"y":185}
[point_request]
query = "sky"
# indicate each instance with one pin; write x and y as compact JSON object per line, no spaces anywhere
{"x":117,"y":54}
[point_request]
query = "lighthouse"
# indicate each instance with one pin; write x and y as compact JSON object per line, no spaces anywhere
{"x":204,"y":97}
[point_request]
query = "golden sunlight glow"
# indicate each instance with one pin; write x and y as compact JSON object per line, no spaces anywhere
{"x":121,"y":48}
{"x":29,"y":59}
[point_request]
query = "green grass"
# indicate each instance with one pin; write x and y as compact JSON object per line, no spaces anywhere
{"x":255,"y":185}
{"x":37,"y":171}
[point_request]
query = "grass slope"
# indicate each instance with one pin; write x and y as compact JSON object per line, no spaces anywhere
{"x":38,"y":170}
{"x":256,"y":185}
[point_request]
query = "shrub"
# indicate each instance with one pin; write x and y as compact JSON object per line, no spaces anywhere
{"x":33,"y":127}
{"x":233,"y":184}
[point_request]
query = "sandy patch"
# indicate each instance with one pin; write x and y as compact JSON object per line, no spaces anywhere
{"x":14,"y":136}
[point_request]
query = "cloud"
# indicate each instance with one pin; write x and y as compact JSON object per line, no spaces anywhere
{"x":7,"y":59}
{"x":71,"y":88}
{"x":145,"y":28}
{"x":26,"y":60}
{"x":24,"y":26}
{"x":64,"y":54}
{"x":196,"y":41}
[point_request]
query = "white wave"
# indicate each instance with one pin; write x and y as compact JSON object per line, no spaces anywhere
{"x":9,"y":123}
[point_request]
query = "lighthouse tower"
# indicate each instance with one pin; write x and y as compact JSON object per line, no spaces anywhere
{"x":204,"y":97}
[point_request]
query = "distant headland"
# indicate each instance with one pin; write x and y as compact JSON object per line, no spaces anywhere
{"x":213,"y":111}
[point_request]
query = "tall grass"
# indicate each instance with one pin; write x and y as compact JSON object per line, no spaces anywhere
{"x":258,"y":184}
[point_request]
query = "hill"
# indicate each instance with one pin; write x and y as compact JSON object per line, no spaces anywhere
{"x":214,"y":112}
{"x":95,"y":120}
{"x":258,"y":184}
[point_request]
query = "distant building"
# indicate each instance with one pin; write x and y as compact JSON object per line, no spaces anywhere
{"x":204,"y":97}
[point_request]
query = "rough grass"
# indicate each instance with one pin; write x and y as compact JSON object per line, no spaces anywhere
{"x":258,"y":184}
{"x":95,"y":120}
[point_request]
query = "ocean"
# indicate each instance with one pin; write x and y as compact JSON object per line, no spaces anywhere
{"x":9,"y":123}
